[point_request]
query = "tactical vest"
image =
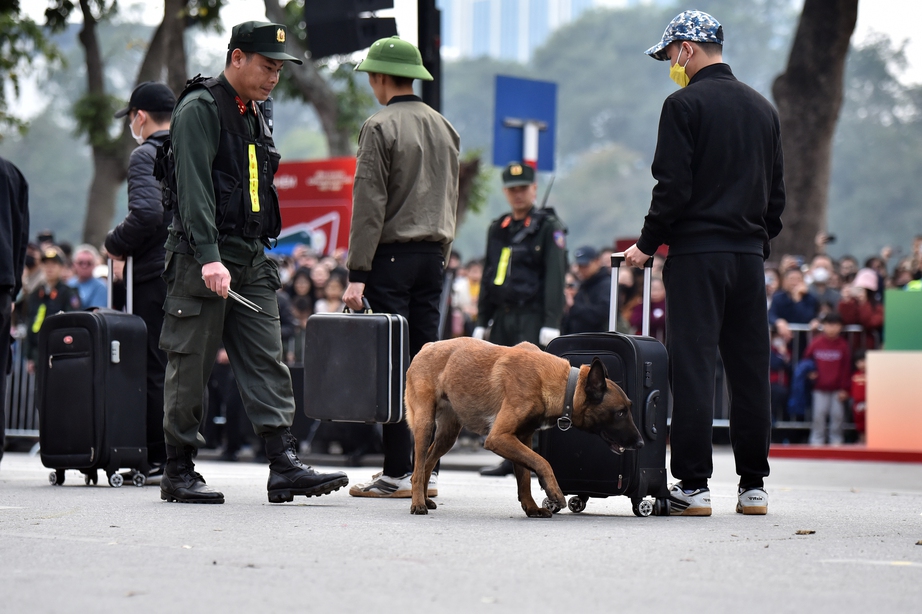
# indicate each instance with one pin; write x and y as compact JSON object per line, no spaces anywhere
{"x":247,"y":204}
{"x":516,"y":261}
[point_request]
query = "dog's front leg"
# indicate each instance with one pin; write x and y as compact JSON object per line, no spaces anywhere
{"x":526,"y":460}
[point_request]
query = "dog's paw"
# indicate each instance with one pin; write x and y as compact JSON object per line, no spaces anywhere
{"x":538,"y":512}
{"x":431,"y":504}
{"x":419,"y":510}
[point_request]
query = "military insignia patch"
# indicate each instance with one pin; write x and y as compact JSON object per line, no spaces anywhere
{"x":515,"y":170}
{"x":560,"y":238}
{"x":280,"y":36}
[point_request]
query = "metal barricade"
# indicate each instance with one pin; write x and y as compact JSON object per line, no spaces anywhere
{"x":19,"y":404}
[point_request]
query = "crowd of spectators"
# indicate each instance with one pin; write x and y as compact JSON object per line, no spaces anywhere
{"x":803,"y":298}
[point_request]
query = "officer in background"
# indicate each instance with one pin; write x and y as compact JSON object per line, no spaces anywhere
{"x":141,"y":235}
{"x":521,"y":293}
{"x":221,"y":142}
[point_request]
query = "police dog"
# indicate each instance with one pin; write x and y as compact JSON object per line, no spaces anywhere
{"x":506,"y":394}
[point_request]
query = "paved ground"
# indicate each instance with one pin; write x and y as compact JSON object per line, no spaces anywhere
{"x":79,"y":549}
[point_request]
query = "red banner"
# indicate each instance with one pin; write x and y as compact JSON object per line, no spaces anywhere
{"x":315,"y":199}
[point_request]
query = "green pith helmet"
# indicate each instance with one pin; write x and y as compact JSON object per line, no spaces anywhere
{"x":395,"y":57}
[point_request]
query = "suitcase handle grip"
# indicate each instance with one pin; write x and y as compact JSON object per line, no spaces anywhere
{"x":366,"y":308}
{"x":129,"y":284}
{"x":617,"y":259}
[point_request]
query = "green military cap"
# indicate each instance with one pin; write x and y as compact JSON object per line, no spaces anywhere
{"x":261,"y":37}
{"x":518,"y":173}
{"x":395,"y":57}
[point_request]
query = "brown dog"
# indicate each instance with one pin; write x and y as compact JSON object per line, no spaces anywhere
{"x":506,"y":394}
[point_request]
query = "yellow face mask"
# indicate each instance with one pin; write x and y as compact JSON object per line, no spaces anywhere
{"x":677,"y":72}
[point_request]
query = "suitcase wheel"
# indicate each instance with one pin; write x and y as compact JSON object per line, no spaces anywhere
{"x":56,"y":478}
{"x":661,"y":507}
{"x":139,"y":479}
{"x":576,"y":504}
{"x":116,"y":480}
{"x":643,"y":508}
{"x":90,"y":478}
{"x":550,"y":505}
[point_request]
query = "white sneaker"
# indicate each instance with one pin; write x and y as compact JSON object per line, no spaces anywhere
{"x":385,"y":487}
{"x":752,"y":502}
{"x":689,"y":503}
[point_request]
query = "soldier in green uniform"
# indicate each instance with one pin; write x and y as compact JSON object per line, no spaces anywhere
{"x":521,"y":293}
{"x":226,"y":211}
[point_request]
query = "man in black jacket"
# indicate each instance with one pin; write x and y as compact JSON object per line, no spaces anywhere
{"x":14,"y":237}
{"x":141,"y":235}
{"x":591,"y":306}
{"x":717,"y":203}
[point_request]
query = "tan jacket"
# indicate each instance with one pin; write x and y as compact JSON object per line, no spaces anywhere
{"x":406,"y":181}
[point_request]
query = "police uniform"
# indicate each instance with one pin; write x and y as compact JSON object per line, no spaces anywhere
{"x":523,"y":277}
{"x":226,"y":211}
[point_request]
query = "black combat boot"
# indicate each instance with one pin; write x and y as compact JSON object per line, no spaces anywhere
{"x":180,"y":482}
{"x":288,"y":477}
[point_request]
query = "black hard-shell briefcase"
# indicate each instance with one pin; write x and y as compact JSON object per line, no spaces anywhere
{"x":584,"y":464}
{"x":355,"y":367}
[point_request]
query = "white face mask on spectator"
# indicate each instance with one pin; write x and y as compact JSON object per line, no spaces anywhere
{"x":820,"y":275}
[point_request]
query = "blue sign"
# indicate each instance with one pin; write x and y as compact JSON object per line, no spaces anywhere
{"x":519,"y":101}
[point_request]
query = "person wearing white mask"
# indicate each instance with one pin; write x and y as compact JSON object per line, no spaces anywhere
{"x":141,"y":235}
{"x":820,"y":276}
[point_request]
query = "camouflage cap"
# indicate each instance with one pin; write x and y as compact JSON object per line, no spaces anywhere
{"x":518,"y":173}
{"x":695,"y":26}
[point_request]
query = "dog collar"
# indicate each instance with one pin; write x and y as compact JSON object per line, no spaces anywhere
{"x":566,"y":420}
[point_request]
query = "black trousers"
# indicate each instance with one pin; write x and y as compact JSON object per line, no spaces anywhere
{"x":6,"y":301}
{"x":406,"y":279}
{"x":717,"y":301}
{"x":148,"y":305}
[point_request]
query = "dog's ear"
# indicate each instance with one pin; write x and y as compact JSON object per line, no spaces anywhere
{"x":595,"y":381}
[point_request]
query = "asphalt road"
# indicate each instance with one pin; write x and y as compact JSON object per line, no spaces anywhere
{"x":75,"y":548}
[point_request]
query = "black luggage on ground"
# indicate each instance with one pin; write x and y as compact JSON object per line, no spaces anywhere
{"x":355,"y":366}
{"x":91,"y":394}
{"x":584,"y":464}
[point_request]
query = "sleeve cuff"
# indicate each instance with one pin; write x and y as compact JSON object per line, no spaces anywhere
{"x":360,"y":277}
{"x":207,"y":253}
{"x":647,"y":245}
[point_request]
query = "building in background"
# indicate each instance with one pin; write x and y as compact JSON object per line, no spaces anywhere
{"x":508,"y":29}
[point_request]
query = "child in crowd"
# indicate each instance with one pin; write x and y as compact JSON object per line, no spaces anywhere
{"x":831,"y":382}
{"x":859,"y":395}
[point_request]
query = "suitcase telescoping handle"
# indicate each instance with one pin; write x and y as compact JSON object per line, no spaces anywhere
{"x":129,"y":285}
{"x":617,"y":260}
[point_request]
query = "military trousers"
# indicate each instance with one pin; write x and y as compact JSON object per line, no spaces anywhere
{"x":514,"y":324}
{"x":197,"y":321}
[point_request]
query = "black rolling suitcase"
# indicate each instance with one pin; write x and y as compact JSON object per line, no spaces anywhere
{"x":91,"y":393}
{"x":584,"y":464}
{"x":355,"y":367}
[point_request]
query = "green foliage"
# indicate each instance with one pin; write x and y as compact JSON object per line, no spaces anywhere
{"x":57,"y":14}
{"x":205,"y":14}
{"x":22,"y":45}
{"x":94,"y":113}
{"x":353,"y":101}
{"x":480,"y":188}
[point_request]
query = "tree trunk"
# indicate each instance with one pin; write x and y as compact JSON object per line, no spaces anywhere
{"x":314,"y":89}
{"x":809,"y":96}
{"x":110,"y":160}
{"x":174,"y":24}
